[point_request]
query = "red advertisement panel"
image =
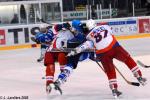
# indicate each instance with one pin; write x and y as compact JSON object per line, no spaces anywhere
{"x":144,"y":25}
{"x":2,"y":37}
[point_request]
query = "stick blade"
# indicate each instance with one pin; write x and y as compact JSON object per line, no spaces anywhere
{"x":143,"y":65}
{"x":140,"y":63}
{"x":135,"y":83}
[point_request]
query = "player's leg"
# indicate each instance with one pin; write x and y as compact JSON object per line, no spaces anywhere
{"x":43,"y":51}
{"x":50,"y":69}
{"x":123,"y":55}
{"x":109,"y":68}
{"x":62,"y":59}
{"x":68,"y":69}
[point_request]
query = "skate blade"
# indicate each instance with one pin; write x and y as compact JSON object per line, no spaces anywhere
{"x":117,"y":97}
{"x":48,"y":90}
{"x":57,"y":91}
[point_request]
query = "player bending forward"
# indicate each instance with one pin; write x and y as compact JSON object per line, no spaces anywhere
{"x":107,"y":48}
{"x":44,"y":37}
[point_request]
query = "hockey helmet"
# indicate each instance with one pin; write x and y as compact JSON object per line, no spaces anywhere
{"x":43,"y":27}
{"x":90,"y":24}
{"x":77,"y":25}
{"x":57,"y":27}
{"x":66,"y":26}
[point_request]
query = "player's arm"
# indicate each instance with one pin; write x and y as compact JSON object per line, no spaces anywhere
{"x":37,"y":37}
{"x":85,"y":46}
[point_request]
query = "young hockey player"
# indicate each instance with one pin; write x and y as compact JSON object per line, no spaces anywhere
{"x":53,"y":54}
{"x":107,"y":48}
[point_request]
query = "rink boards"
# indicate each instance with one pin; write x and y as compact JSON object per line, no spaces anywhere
{"x":19,"y":36}
{"x":33,"y":45}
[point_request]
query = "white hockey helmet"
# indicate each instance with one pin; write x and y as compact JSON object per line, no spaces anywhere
{"x":43,"y":27}
{"x":90,"y":24}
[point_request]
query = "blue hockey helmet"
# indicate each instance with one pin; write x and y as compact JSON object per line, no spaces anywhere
{"x":77,"y":25}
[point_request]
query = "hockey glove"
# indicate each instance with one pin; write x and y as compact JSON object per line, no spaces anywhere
{"x":72,"y":53}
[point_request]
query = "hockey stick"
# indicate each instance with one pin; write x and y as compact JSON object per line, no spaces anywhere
{"x":67,"y":50}
{"x":129,"y":82}
{"x":143,"y":65}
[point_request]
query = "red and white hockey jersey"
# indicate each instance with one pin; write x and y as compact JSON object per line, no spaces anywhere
{"x":102,"y":38}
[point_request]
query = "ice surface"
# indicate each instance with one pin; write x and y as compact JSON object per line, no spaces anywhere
{"x":20,"y":75}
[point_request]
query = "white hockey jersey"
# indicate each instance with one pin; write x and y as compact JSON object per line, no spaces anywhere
{"x":62,"y":36}
{"x":102,"y":38}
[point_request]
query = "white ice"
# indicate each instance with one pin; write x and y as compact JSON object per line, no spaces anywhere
{"x":20,"y":75}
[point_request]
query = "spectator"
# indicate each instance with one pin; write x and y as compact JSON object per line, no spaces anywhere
{"x":94,"y":16}
{"x":15,"y":19}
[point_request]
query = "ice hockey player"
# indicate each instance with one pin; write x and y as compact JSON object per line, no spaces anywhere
{"x":55,"y":52}
{"x":77,"y":28}
{"x":44,"y":37}
{"x":107,"y":48}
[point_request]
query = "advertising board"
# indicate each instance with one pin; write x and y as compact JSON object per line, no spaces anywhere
{"x":20,"y":34}
{"x":2,"y":37}
{"x":122,"y":27}
{"x":144,"y":25}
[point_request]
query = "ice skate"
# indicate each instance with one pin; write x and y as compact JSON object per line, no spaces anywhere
{"x":40,"y":59}
{"x":116,"y":93}
{"x":142,"y":80}
{"x":57,"y":84}
{"x":48,"y":88}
